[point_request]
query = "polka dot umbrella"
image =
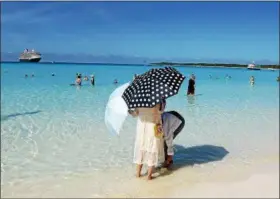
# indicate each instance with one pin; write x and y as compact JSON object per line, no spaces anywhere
{"x":148,"y":89}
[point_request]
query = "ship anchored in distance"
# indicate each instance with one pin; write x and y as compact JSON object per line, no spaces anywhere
{"x":252,"y":66}
{"x":30,"y":56}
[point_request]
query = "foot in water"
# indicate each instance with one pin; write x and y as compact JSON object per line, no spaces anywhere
{"x":168,"y":164}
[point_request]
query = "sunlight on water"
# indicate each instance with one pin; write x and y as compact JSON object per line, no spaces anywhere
{"x":51,"y":128}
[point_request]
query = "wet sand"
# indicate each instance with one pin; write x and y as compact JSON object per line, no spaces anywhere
{"x":231,"y":179}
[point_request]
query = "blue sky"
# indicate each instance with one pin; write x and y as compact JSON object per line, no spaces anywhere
{"x":203,"y":31}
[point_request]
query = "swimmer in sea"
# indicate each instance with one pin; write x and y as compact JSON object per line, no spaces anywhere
{"x":116,"y":81}
{"x":53,"y":74}
{"x":78,"y":80}
{"x":25,"y":75}
{"x":32,"y":75}
{"x":228,"y":76}
{"x":78,"y":74}
{"x":191,"y":86}
{"x":86,"y":78}
{"x":92,"y":80}
{"x":252,"y":80}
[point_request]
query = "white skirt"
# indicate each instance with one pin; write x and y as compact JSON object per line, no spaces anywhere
{"x":148,"y":149}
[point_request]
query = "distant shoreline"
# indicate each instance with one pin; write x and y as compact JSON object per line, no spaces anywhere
{"x":202,"y":65}
{"x":221,"y":65}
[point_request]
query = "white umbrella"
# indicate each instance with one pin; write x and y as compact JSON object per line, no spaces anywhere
{"x":116,"y":110}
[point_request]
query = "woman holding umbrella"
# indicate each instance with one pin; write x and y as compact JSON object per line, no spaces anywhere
{"x":145,"y":95}
{"x":149,"y":139}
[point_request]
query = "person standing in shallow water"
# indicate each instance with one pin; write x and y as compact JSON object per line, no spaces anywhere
{"x":191,"y":86}
{"x":78,"y":81}
{"x":149,"y":148}
{"x":85,"y":78}
{"x":92,"y":80}
{"x":252,"y":80}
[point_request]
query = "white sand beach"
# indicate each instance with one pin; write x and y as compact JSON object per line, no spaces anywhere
{"x":261,"y":182}
{"x":219,"y":180}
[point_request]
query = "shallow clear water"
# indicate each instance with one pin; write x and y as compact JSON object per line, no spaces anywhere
{"x":49,"y":127}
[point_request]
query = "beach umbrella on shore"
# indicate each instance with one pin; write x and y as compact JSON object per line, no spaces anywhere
{"x":148,"y":89}
{"x":116,"y":110}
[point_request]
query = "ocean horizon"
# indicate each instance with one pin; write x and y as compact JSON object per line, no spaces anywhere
{"x":136,"y":64}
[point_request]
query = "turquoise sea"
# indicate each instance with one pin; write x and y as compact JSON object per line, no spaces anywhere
{"x":51,"y":129}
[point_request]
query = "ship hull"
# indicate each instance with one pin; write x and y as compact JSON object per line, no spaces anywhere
{"x":30,"y":60}
{"x":253,"y":68}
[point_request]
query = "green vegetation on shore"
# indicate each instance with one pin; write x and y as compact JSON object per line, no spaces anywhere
{"x":213,"y":65}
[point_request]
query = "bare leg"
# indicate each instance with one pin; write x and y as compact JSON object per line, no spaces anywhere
{"x":150,"y":172}
{"x":138,"y":170}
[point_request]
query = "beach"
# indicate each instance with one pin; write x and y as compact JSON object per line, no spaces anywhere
{"x":219,"y":181}
{"x":55,"y":143}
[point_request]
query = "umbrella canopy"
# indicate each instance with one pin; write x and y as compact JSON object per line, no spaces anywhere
{"x":148,"y":89}
{"x":116,"y":110}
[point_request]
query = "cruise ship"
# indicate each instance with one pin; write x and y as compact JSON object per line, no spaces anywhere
{"x":30,"y":56}
{"x":253,"y":67}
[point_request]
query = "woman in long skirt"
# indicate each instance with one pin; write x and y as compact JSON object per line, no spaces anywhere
{"x":149,"y":148}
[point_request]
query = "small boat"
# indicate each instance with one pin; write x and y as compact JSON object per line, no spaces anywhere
{"x":253,"y":67}
{"x":272,"y":69}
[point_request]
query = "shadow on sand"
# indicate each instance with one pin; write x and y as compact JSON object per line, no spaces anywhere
{"x":197,"y":155}
{"x":6,"y":117}
{"x":190,"y":156}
